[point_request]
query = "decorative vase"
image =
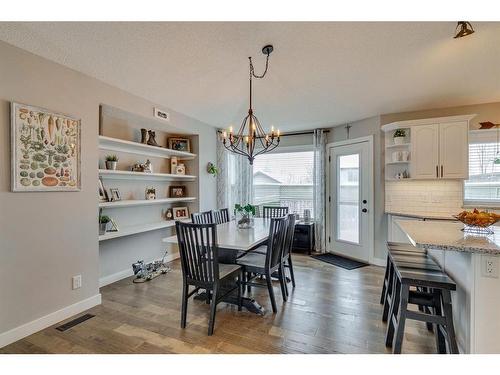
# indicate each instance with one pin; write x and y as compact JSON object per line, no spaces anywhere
{"x":144,"y":136}
{"x":244,"y":221}
{"x":399,"y":140}
{"x":102,"y":228}
{"x":111,"y":165}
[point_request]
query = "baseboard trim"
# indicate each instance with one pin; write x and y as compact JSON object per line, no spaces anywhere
{"x":378,"y":262}
{"x":113,"y":278}
{"x":34,"y":326}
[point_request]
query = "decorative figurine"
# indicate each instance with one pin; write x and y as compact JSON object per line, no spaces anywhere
{"x":152,"y":140}
{"x":144,"y":136}
{"x":150,"y":194}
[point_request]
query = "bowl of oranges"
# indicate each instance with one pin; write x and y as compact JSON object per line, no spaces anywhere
{"x":477,"y":221}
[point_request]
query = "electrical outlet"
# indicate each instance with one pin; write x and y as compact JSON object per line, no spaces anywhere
{"x":77,"y":282}
{"x":490,"y":266}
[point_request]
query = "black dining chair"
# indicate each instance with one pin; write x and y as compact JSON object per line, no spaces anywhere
{"x":202,"y":217}
{"x":274,"y":211}
{"x":221,"y":216}
{"x":198,"y":251}
{"x":286,"y":258}
{"x":255,"y":264}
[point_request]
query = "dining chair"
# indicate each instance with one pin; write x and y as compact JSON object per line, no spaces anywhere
{"x":198,"y":251}
{"x":274,"y":211}
{"x":221,"y":216}
{"x":255,"y":264}
{"x":202,"y":217}
{"x":286,"y":258}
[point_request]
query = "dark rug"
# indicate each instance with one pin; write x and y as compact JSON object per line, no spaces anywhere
{"x":339,"y":261}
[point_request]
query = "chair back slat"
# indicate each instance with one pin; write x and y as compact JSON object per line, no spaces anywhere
{"x":276,"y":241}
{"x":221,"y":216}
{"x":272,"y":211}
{"x":202,"y":217}
{"x":287,"y":249}
{"x":198,"y":251}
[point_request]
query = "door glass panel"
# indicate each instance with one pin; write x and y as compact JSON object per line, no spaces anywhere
{"x":348,"y":198}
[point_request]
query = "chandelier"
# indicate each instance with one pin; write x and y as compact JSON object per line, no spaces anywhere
{"x":251,"y":139}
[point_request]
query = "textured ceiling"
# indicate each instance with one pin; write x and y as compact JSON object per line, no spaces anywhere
{"x":321,"y":74}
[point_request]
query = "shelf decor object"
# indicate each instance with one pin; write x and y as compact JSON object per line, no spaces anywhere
{"x":251,"y":139}
{"x":130,"y":175}
{"x":45,"y":148}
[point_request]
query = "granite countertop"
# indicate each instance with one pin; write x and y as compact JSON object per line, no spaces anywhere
{"x":447,"y":235}
{"x":431,"y":216}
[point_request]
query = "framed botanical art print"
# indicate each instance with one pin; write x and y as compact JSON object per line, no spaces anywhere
{"x":45,"y":150}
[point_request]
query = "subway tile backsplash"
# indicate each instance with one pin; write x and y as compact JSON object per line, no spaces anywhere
{"x":424,"y":197}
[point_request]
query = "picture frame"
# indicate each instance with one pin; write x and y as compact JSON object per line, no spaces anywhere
{"x":177,"y":191}
{"x":115,"y":195}
{"x":180,"y":169}
{"x":180,"y":213}
{"x":101,"y":191}
{"x":169,"y":214}
{"x":179,"y":144}
{"x":45,"y":150}
{"x":114,"y":227}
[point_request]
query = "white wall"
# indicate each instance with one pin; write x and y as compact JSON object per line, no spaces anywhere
{"x":46,"y":238}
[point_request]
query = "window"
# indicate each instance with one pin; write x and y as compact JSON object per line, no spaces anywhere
{"x":483,"y":186}
{"x":284,"y":179}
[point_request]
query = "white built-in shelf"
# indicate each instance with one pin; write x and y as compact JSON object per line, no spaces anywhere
{"x":170,"y":239}
{"x":144,"y":202}
{"x":135,"y":229}
{"x":396,"y":146}
{"x":397,"y":162}
{"x":120,"y":145}
{"x":128,"y":175}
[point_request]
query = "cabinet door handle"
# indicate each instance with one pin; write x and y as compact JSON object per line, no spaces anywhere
{"x":441,"y":171}
{"x":437,"y":171}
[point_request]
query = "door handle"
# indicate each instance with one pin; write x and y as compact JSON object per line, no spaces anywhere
{"x":442,"y":171}
{"x":437,"y":171}
{"x":364,"y":210}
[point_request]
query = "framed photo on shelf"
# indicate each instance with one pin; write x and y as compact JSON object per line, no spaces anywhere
{"x":180,"y":213}
{"x":179,"y":144}
{"x":115,"y":195}
{"x":103,"y":194}
{"x":177,"y":191}
{"x":169,"y":214}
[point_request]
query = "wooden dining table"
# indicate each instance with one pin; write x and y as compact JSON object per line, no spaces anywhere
{"x":234,"y":242}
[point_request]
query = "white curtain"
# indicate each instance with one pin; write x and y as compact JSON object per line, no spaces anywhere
{"x":319,"y":195}
{"x":235,"y":178}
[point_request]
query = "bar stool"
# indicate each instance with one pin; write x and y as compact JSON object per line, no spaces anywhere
{"x":435,"y":296}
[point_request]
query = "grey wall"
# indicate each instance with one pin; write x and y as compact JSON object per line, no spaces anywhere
{"x":363,"y":128}
{"x":46,"y":238}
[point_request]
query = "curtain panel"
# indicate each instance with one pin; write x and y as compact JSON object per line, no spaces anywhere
{"x":319,"y":186}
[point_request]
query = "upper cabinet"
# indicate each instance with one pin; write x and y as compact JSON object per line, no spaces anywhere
{"x":438,"y":149}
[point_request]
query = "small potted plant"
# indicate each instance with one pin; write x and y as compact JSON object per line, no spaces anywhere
{"x":103,"y":223}
{"x":111,"y":161}
{"x":399,"y":136}
{"x":212,"y":169}
{"x":244,"y":215}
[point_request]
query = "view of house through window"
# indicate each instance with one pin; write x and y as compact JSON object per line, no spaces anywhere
{"x":284,"y":179}
{"x":484,"y":169}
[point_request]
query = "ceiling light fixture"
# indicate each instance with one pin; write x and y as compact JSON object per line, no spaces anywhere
{"x":251,"y":139}
{"x":463,"y":28}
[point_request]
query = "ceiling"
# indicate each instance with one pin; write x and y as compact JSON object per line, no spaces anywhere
{"x":321,"y":74}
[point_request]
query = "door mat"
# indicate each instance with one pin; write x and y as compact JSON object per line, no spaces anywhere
{"x":339,"y":261}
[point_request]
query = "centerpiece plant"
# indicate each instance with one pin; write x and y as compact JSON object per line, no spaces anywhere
{"x":245,"y":215}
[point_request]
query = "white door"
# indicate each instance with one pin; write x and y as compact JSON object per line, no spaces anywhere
{"x":454,"y":150}
{"x":351,"y":199}
{"x":425,"y":151}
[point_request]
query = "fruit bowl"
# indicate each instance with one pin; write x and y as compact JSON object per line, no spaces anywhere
{"x":477,"y":221}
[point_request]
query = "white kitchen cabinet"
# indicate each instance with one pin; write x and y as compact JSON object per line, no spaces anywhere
{"x":454,"y":150}
{"x":425,"y":151}
{"x":439,"y":148}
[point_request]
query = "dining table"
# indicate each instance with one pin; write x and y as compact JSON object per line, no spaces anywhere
{"x":234,"y":242}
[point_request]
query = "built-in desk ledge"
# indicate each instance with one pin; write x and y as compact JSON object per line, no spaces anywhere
{"x":423,"y":216}
{"x":447,"y":235}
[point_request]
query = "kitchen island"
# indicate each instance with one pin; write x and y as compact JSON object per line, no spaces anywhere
{"x":472,"y":261}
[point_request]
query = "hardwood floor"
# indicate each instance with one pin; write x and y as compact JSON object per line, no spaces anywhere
{"x":331,"y":310}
